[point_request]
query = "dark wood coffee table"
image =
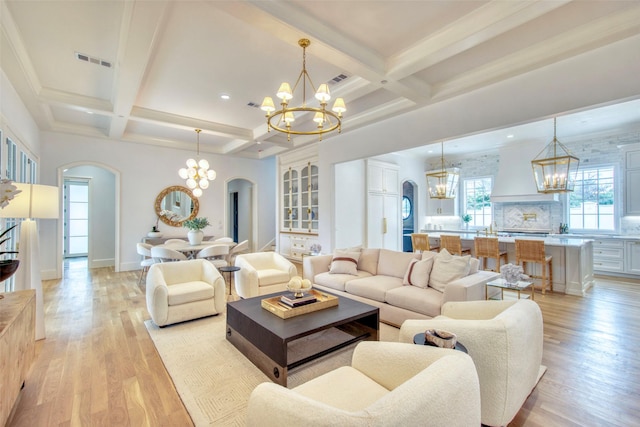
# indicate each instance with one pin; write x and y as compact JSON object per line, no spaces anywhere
{"x":276,"y":345}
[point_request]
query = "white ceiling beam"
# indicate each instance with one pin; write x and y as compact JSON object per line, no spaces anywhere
{"x":587,"y":37}
{"x":172,"y":120}
{"x":482,"y":24}
{"x":139,"y":33}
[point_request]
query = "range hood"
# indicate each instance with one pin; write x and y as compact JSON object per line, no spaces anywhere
{"x":514,"y":181}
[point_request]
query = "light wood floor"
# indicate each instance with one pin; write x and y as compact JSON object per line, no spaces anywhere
{"x":98,"y":365}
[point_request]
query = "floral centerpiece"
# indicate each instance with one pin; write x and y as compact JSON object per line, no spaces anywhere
{"x":315,"y":249}
{"x":512,"y":273}
{"x":195,"y":227}
{"x":466,"y":218}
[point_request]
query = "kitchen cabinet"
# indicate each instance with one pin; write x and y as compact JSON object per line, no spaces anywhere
{"x":384,"y":224}
{"x":632,"y":181}
{"x":608,"y":255}
{"x":632,"y":257}
{"x":442,"y":207}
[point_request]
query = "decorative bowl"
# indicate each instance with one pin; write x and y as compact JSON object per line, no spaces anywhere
{"x":299,"y":292}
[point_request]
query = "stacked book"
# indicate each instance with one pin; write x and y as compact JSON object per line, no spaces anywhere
{"x":292,"y":301}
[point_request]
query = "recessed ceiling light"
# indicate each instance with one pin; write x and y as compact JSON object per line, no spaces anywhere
{"x":510,"y":135}
{"x":225,"y":96}
{"x":89,"y":112}
{"x":430,"y":151}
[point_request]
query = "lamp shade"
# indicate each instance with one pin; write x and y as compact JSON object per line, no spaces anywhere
{"x":34,"y":201}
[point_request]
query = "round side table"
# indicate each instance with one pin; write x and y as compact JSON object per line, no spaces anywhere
{"x":229,"y":269}
{"x":419,"y":339}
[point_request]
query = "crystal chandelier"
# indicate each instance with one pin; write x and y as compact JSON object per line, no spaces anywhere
{"x":443,"y":184}
{"x":197,"y":173}
{"x":324,"y":120}
{"x":555,"y":168}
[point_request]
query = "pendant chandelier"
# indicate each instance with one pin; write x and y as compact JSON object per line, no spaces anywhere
{"x":197,"y":173}
{"x":555,"y":168}
{"x":284,"y":119}
{"x":443,"y":184}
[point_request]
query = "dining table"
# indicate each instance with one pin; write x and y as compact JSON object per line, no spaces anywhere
{"x":191,"y":251}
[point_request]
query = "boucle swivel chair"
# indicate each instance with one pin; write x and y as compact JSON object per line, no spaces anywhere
{"x":387,"y":384}
{"x":504,"y":339}
{"x":185,"y":290}
{"x":262,"y":273}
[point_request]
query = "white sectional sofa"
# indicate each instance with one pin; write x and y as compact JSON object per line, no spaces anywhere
{"x":381,"y":278}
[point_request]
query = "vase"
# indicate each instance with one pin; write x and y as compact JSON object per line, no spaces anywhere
{"x":195,"y":237}
{"x":154,"y":234}
{"x":7,"y":268}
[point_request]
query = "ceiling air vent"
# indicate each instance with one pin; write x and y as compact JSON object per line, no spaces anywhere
{"x":338,"y":79}
{"x":253,"y":104}
{"x":93,"y":60}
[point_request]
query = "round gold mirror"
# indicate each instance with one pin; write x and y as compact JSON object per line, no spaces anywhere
{"x":176,"y":204}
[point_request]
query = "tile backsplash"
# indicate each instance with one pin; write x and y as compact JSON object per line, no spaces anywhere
{"x":528,"y":216}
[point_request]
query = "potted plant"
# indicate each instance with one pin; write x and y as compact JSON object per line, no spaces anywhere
{"x":195,"y":227}
{"x":467,"y":219}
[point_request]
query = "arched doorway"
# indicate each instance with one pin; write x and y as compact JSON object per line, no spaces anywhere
{"x":409,"y":214}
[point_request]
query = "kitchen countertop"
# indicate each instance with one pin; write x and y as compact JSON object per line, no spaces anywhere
{"x":550,"y":241}
{"x":552,"y":235}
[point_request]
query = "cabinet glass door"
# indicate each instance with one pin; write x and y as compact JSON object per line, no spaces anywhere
{"x":290,"y":199}
{"x":313,"y":194}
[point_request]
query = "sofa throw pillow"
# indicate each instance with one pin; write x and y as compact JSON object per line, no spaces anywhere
{"x":418,"y":273}
{"x":447,"y":268}
{"x":344,"y":263}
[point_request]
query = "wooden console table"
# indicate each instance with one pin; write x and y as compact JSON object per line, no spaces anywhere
{"x":17,"y":345}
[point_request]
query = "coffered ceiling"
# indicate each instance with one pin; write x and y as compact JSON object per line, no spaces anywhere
{"x":152,"y":71}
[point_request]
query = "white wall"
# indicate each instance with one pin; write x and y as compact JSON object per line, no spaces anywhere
{"x":598,"y":77}
{"x":144,"y":171}
{"x":15,"y":120}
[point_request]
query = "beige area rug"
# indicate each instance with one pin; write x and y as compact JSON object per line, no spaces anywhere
{"x":214,"y":380}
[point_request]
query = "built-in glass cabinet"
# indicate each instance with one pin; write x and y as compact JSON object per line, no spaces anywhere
{"x":300,"y":198}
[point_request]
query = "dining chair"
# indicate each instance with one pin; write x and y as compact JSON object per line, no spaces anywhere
{"x":164,"y":254}
{"x":453,"y":244}
{"x":216,"y":254}
{"x":144,"y":249}
{"x":222,"y":240}
{"x":420,"y":242}
{"x":240,"y":247}
{"x":175,"y":242}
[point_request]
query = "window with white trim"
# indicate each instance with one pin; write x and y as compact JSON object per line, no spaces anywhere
{"x":477,"y":201}
{"x":592,"y":202}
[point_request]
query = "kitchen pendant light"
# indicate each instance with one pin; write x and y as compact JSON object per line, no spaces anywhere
{"x":443,"y":184}
{"x":197,"y":173}
{"x":555,"y":168}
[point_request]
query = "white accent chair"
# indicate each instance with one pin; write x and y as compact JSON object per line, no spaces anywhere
{"x":262,"y":273}
{"x":164,"y":254}
{"x":387,"y":384}
{"x":504,"y":339}
{"x":216,"y":254}
{"x":179,"y":291}
{"x":144,"y":249}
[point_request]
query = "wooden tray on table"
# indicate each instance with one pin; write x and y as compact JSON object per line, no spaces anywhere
{"x":273,"y":305}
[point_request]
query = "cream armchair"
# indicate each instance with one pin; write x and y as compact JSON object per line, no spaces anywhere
{"x":184,"y":290}
{"x":387,"y":384}
{"x":504,"y":339}
{"x":262,"y":273}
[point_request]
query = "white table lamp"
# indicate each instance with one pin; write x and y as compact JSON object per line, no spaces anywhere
{"x":34,"y":202}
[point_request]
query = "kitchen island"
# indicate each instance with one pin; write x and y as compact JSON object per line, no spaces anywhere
{"x":572,"y":259}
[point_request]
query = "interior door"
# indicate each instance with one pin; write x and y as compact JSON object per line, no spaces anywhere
{"x":76,"y":217}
